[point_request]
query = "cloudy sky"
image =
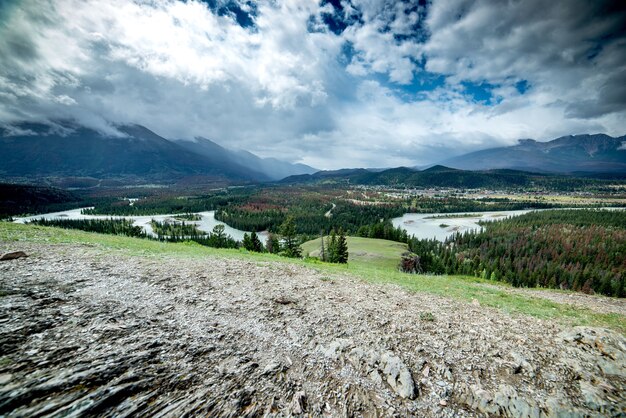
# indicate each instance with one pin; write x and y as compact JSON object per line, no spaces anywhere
{"x":340,"y":83}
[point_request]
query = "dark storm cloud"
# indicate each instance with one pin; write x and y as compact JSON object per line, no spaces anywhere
{"x":611,"y":98}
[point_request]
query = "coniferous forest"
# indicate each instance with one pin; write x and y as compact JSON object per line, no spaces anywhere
{"x":582,"y":250}
{"x":103,"y":226}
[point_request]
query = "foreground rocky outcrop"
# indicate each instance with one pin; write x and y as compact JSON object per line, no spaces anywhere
{"x":88,"y":332}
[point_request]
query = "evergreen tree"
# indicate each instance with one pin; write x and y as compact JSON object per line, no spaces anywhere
{"x":342,"y":248}
{"x":272,"y":245}
{"x":291,"y":248}
{"x":218,"y":236}
{"x":322,"y":249}
{"x":247,"y":242}
{"x":332,"y":247}
{"x":255,"y":242}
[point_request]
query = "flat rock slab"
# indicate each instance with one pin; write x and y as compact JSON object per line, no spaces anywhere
{"x":13,"y":255}
{"x":92,"y":332}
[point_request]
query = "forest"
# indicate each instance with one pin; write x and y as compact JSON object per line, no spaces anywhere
{"x":16,"y":199}
{"x":582,"y":250}
{"x":159,"y":205}
{"x":171,"y":230}
{"x":102,"y":226}
{"x":323,"y":208}
{"x":316,"y":208}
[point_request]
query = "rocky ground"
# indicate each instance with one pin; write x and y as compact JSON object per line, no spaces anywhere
{"x":84,"y":332}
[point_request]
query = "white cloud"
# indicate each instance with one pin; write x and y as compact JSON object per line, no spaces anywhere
{"x":566,"y":50}
{"x":65,"y":100}
{"x":377,"y":48}
{"x":280,"y":90}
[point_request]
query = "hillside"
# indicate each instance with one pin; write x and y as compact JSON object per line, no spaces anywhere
{"x":271,"y":167}
{"x":365,"y":251}
{"x":16,"y":199}
{"x":436,"y":176}
{"x":134,"y":154}
{"x":569,"y":154}
{"x":117,"y":326}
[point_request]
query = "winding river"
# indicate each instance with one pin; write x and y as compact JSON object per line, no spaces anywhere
{"x":206,"y":224}
{"x":423,"y":225}
{"x":443,"y":225}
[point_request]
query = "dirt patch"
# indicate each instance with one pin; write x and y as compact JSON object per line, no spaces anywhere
{"x":89,"y":332}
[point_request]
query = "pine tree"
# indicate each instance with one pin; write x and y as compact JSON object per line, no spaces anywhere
{"x":255,"y":242}
{"x":342,"y":248}
{"x":272,"y":244}
{"x":291,"y":248}
{"x":218,"y":236}
{"x":322,"y":250}
{"x":247,"y":242}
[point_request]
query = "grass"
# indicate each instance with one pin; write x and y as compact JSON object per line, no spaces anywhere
{"x":561,"y":199}
{"x":372,"y":260}
{"x":380,"y":253}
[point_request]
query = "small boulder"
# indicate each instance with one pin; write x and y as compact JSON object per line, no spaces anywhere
{"x":13,"y":255}
{"x":298,"y":403}
{"x":398,"y":375}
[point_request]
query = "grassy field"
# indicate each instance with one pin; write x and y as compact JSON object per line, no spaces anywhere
{"x":377,"y":253}
{"x":565,"y":200}
{"x":372,"y":260}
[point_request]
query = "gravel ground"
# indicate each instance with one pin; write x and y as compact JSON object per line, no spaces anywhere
{"x":86,"y":332}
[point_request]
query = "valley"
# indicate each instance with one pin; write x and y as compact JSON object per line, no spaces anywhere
{"x":323,"y":208}
{"x":217,"y":285}
{"x":512,"y":304}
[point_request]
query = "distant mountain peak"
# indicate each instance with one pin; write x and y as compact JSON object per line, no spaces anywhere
{"x":593,"y":153}
{"x":439,"y":169}
{"x":272,"y":168}
{"x":129,"y":151}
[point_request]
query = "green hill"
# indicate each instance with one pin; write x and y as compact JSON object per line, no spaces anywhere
{"x":365,"y":251}
{"x":440,"y":176}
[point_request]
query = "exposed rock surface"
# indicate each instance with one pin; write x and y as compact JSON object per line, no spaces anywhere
{"x":13,"y":255}
{"x":84,"y":331}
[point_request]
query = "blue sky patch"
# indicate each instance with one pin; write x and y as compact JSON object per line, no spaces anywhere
{"x":522,"y":86}
{"x":480,"y":93}
{"x":244,"y":18}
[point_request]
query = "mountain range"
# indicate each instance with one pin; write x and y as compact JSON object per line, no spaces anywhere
{"x":135,"y":154}
{"x":436,"y":176}
{"x":568,"y":154}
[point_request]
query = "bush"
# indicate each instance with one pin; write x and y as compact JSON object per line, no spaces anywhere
{"x":410,"y":263}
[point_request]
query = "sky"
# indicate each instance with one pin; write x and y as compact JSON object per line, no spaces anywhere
{"x":332,"y":84}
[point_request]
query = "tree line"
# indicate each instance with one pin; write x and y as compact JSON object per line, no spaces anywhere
{"x":103,"y":226}
{"x":582,"y":250}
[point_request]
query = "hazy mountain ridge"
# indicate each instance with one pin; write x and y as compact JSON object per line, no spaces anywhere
{"x":436,"y":176}
{"x":273,"y":168}
{"x":38,"y":150}
{"x":597,"y":153}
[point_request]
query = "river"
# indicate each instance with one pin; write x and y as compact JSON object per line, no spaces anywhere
{"x":206,"y":224}
{"x":443,"y":225}
{"x":423,"y":225}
